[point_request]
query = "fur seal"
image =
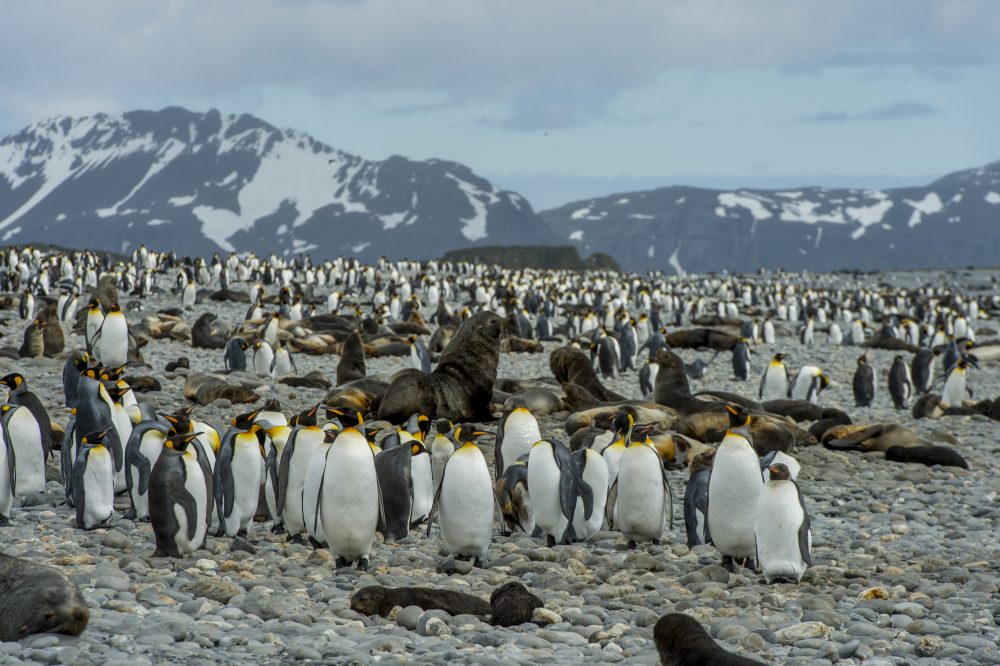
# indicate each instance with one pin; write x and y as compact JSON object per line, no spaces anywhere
{"x":364,"y":395}
{"x":512,"y":604}
{"x":899,"y":443}
{"x":770,"y":433}
{"x":380,"y":600}
{"x":538,"y":401}
{"x":352,"y":360}
{"x":697,"y":338}
{"x":206,"y":389}
{"x":36,"y":598}
{"x":569,"y":364}
{"x":673,"y":390}
{"x":461,"y":386}
{"x":661,"y":417}
{"x":682,"y":641}
{"x":203,"y":334}
{"x":314,"y":379}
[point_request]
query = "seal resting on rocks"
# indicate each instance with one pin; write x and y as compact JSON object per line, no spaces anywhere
{"x":461,"y":386}
{"x":899,"y":443}
{"x":512,"y":604}
{"x":203,"y":334}
{"x":569,"y":364}
{"x":206,"y":389}
{"x":379,"y":600}
{"x":36,"y":598}
{"x":682,"y":641}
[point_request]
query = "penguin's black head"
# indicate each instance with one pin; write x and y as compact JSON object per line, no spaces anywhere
{"x":347,"y":416}
{"x":81,"y":360}
{"x":739,"y":417}
{"x":307,"y":417}
{"x":96,"y":437}
{"x":180,"y":442}
{"x":13,"y":380}
{"x":863,"y":359}
{"x":443,"y":427}
{"x":779,"y":472}
{"x":467,"y":434}
{"x":272,"y":405}
{"x":246,"y":421}
{"x":824,"y":380}
{"x":622,"y":423}
{"x":779,"y":357}
{"x":423,"y":427}
{"x":179,"y":422}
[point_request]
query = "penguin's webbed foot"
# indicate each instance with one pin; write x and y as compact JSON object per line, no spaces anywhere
{"x":656,"y":542}
{"x":278,"y":528}
{"x":728,"y":564}
{"x":363,"y":564}
{"x":315,"y":544}
{"x":480,"y":562}
{"x":4,"y":521}
{"x":631,"y":545}
{"x":131,"y":514}
{"x":550,"y":540}
{"x":341,"y":563}
{"x":296,"y":539}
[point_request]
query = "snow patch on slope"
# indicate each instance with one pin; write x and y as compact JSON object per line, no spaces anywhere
{"x":930,"y":204}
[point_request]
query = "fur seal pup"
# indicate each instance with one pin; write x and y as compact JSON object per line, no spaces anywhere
{"x":203,"y":336}
{"x":682,"y":641}
{"x":206,"y":389}
{"x":352,"y":360}
{"x":380,"y":600}
{"x":569,"y":364}
{"x":537,"y":400}
{"x":512,"y":604}
{"x":36,"y":598}
{"x":697,"y":338}
{"x":461,"y":386}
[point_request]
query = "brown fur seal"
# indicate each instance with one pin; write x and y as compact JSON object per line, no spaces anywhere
{"x":314,"y":379}
{"x":899,"y":444}
{"x":206,"y":389}
{"x":661,"y":417}
{"x":364,"y":395}
{"x":569,"y":364}
{"x":578,"y":398}
{"x":673,"y":390}
{"x":892,"y":344}
{"x":512,"y":604}
{"x":379,"y":600}
{"x":682,"y":641}
{"x":538,"y":401}
{"x":203,"y":334}
{"x":697,"y":338}
{"x":143,"y":383}
{"x":461,"y":386}
{"x":441,"y":338}
{"x":36,"y":598}
{"x":106,"y":293}
{"x":352,"y":360}
{"x":770,"y":433}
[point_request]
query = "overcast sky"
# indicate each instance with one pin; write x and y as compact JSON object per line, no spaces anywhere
{"x":559,"y":99}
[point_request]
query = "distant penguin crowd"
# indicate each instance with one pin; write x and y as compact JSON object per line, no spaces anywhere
{"x":445,"y":448}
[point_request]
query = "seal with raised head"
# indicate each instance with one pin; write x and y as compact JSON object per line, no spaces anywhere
{"x":682,"y":641}
{"x":379,"y":600}
{"x":512,"y":604}
{"x":461,"y":386}
{"x":203,"y":335}
{"x":352,"y":360}
{"x":569,"y":364}
{"x":36,"y":598}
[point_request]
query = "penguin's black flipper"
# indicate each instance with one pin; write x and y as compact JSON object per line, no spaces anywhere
{"x":283,"y":467}
{"x":706,"y":535}
{"x":12,"y":468}
{"x":79,"y":492}
{"x":609,"y":506}
{"x":498,"y":445}
{"x":568,"y":480}
{"x":436,"y":502}
{"x":805,"y":537}
{"x":224,"y":467}
{"x":116,"y":447}
{"x":670,"y":495}
{"x":587,"y":497}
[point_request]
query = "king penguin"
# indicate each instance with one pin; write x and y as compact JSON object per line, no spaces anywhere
{"x":238,"y":475}
{"x":350,"y":500}
{"x":8,"y":476}
{"x":741,"y":360}
{"x":733,"y":490}
{"x":180,"y":497}
{"x":696,"y":498}
{"x":774,"y":381}
{"x":590,"y":510}
{"x":640,"y":504}
{"x":465,"y":499}
{"x":235,"y":355}
{"x":312,"y":487}
{"x":953,"y":393}
{"x":141,"y":452}
{"x":554,"y":487}
{"x":21,"y":435}
{"x":112,"y":343}
{"x":900,"y":383}
{"x":20,"y":395}
{"x":808,"y":384}
{"x":516,"y":434}
{"x":263,"y":356}
{"x":922,"y":370}
{"x":296,"y":458}
{"x":781,"y":528}
{"x":864,"y":383}
{"x":93,"y":482}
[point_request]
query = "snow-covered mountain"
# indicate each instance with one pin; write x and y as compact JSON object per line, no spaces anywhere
{"x":953,"y":222}
{"x":204,"y":182}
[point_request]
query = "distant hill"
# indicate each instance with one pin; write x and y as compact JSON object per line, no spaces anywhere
{"x":203,"y":182}
{"x":953,"y":222}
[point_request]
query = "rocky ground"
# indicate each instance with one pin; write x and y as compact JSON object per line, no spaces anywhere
{"x":905,"y":558}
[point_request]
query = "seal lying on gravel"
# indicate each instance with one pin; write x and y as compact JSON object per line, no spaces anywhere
{"x":36,"y":598}
{"x":205,"y":389}
{"x":682,"y":641}
{"x":899,"y":443}
{"x":461,"y":386}
{"x":512,"y":605}
{"x":379,"y":600}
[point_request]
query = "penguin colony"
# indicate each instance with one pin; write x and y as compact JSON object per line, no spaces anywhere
{"x":334,"y":475}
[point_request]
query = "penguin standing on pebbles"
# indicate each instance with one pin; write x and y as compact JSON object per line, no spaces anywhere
{"x":20,"y":395}
{"x":235,"y":355}
{"x":900,"y":383}
{"x":93,"y":482}
{"x":554,"y":487}
{"x":864,"y":383}
{"x":516,"y":434}
{"x":112,"y":339}
{"x":733,"y":490}
{"x":774,"y":382}
{"x":590,"y":509}
{"x":238,"y":475}
{"x":180,"y":497}
{"x":808,"y":384}
{"x":465,"y":499}
{"x":781,"y":529}
{"x":640,"y":504}
{"x":350,"y":500}
{"x":741,"y":360}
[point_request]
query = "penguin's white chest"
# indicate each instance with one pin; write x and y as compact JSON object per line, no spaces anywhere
{"x":733,"y":491}
{"x":350,"y":502}
{"x":775,"y":383}
{"x":248,"y":474}
{"x":113,"y":345}
{"x":194,"y":483}
{"x":520,"y":433}
{"x":776,"y":531}
{"x":595,"y":475}
{"x":29,"y":456}
{"x":640,"y":509}
{"x":612,"y":458}
{"x":98,"y":486}
{"x":466,"y":504}
{"x":545,"y":491}
{"x":150,"y":447}
{"x":953,"y":393}
{"x":6,"y":482}
{"x":311,"y":487}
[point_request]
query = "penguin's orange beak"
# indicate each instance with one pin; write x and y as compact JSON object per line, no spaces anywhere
{"x":730,"y":408}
